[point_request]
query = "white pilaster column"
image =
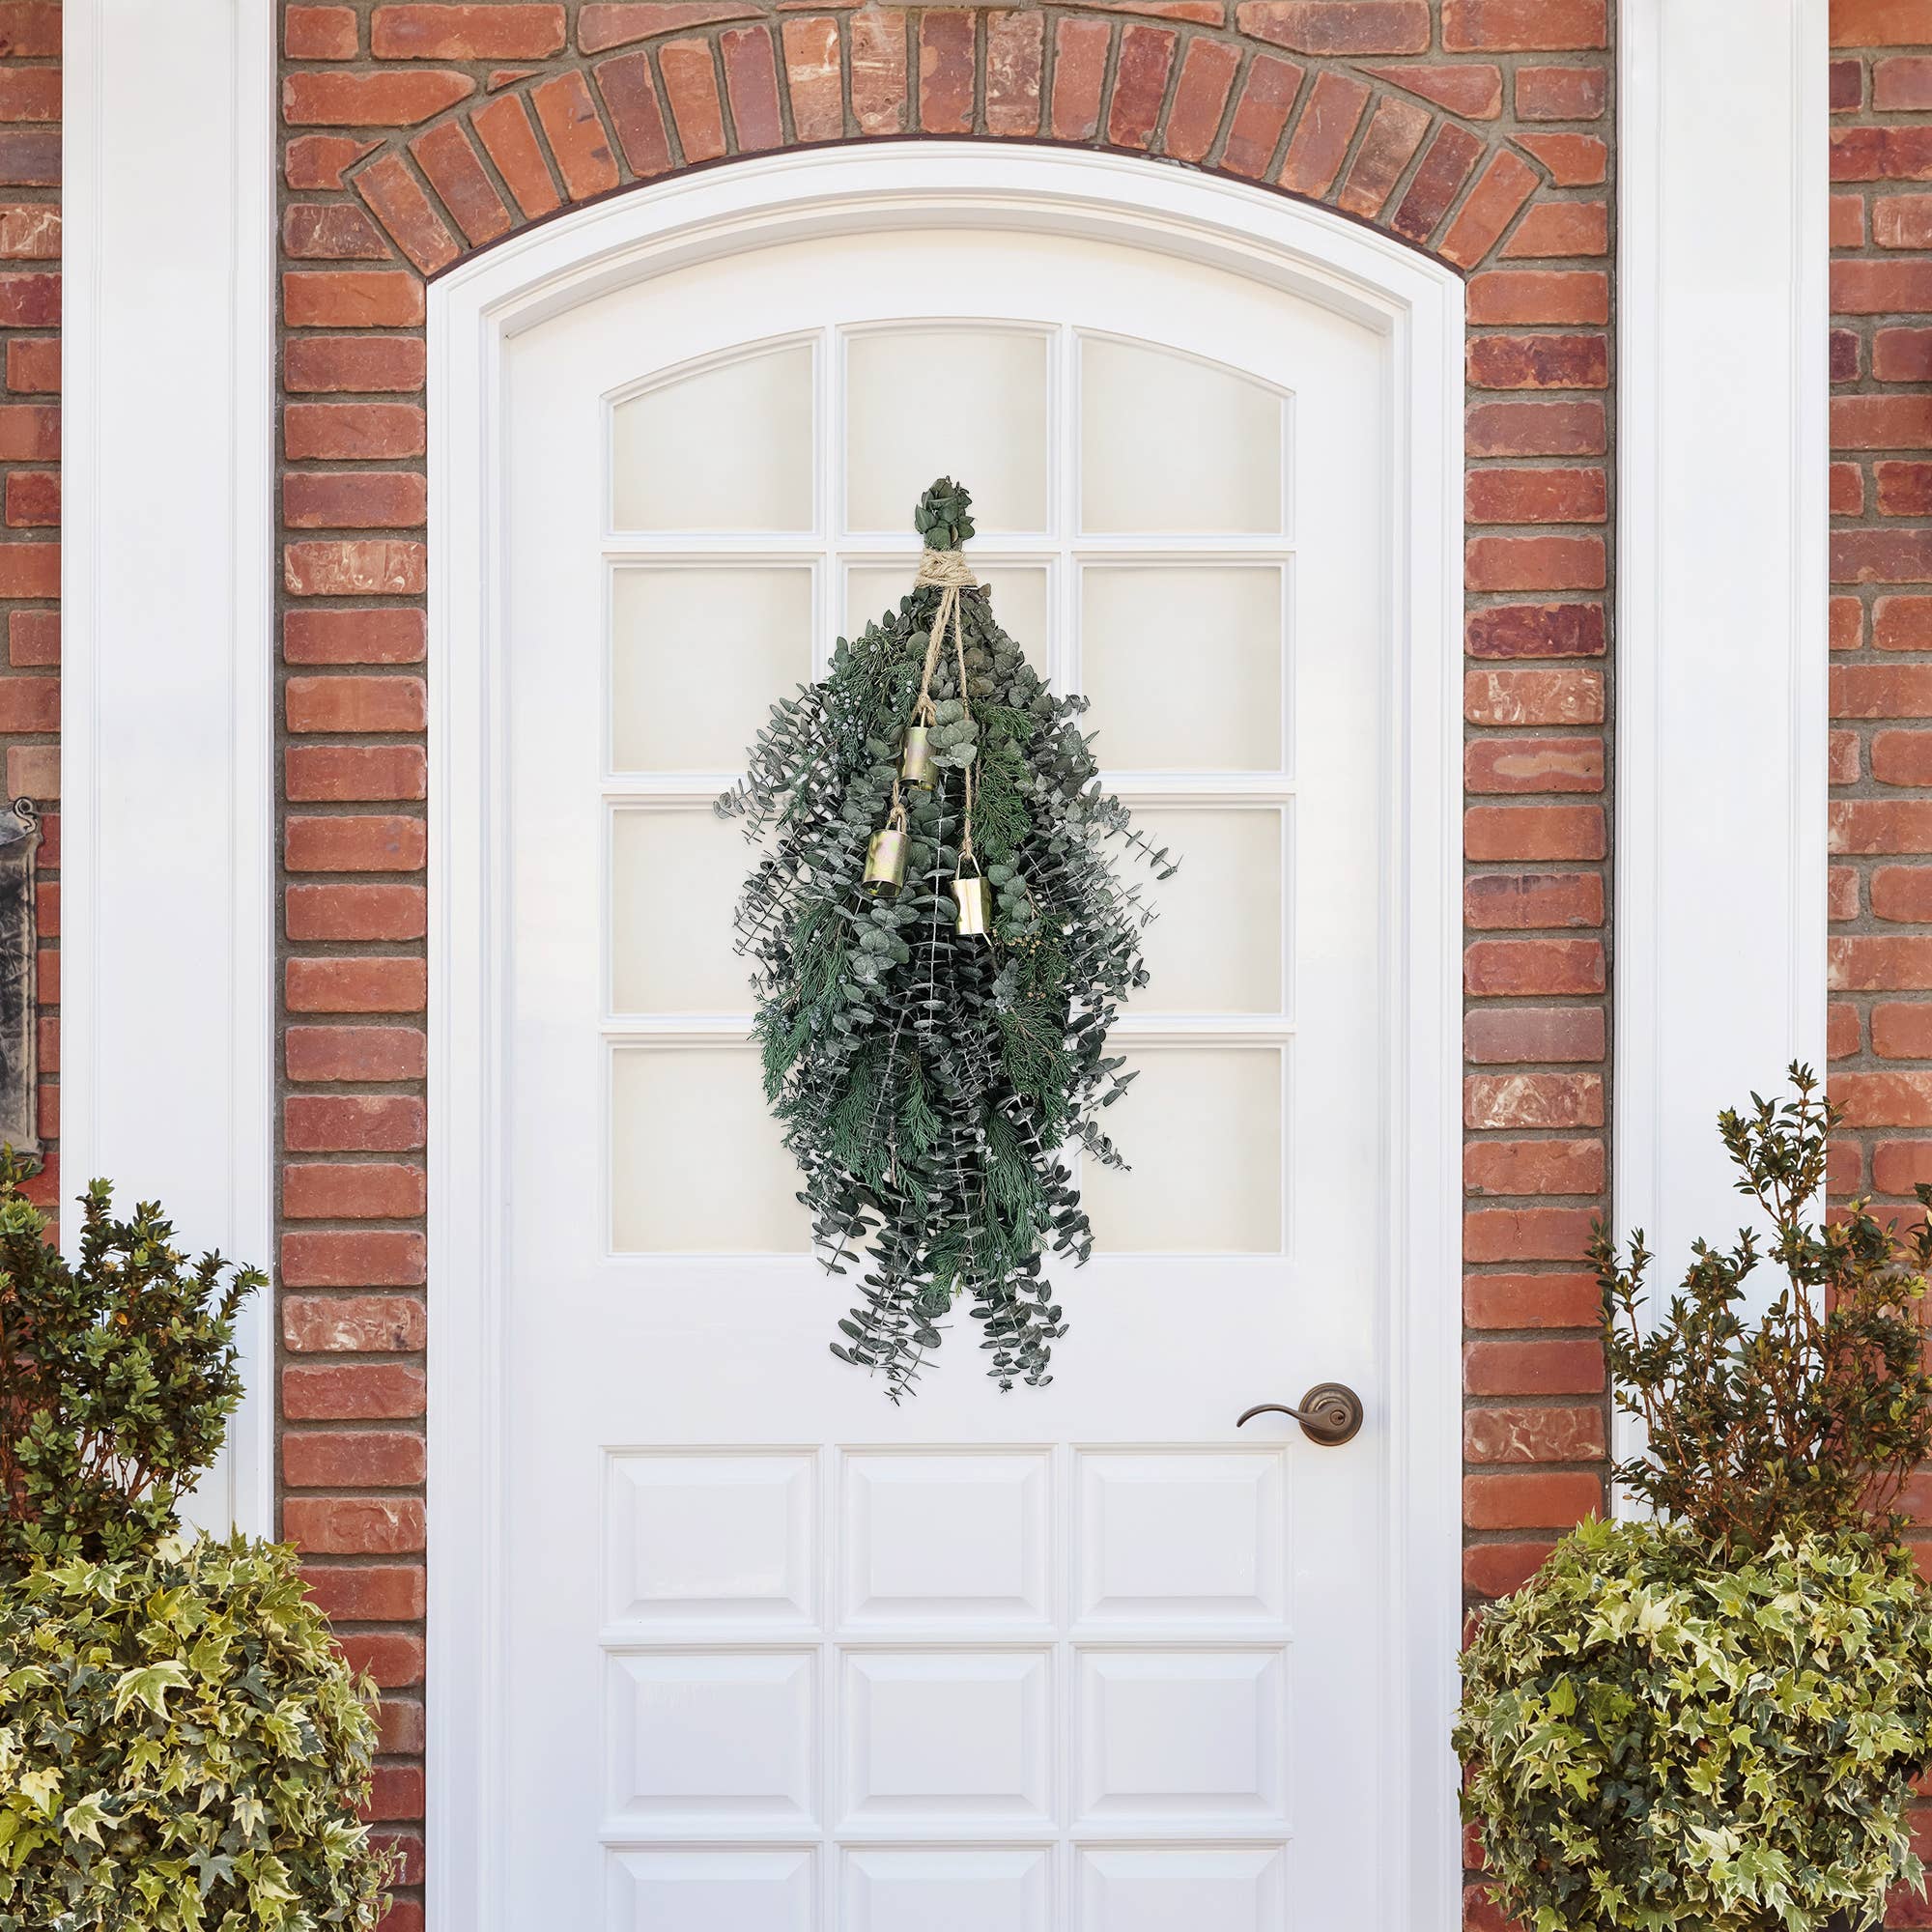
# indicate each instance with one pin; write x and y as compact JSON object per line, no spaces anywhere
{"x":1721,"y":628}
{"x":167,"y":949}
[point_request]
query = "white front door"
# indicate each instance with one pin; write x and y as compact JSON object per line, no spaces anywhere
{"x":780,"y":1657}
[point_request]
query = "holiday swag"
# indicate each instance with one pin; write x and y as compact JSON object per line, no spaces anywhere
{"x":941,"y":944}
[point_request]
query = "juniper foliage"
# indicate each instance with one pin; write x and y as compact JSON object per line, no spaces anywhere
{"x":931,"y":1083}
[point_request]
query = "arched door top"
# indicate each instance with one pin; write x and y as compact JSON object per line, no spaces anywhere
{"x":628,"y":240}
{"x":936,"y":185}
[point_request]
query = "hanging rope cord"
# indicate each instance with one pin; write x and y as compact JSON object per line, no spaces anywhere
{"x":949,"y":570}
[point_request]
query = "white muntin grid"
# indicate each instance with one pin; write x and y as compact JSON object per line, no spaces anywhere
{"x":1046,"y":581}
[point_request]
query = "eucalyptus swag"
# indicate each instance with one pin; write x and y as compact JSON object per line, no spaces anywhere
{"x":934,"y":1045}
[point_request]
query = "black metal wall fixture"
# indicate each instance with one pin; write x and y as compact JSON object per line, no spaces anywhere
{"x":19,"y":989}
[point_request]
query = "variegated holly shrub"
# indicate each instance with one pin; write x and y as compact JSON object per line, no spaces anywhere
{"x":1711,"y":1719}
{"x":1657,"y":1741}
{"x":183,"y":1748}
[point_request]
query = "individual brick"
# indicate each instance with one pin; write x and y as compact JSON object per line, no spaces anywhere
{"x":603,"y":24}
{"x":815,"y":81}
{"x":353,"y":1053}
{"x":1140,"y":83}
{"x":1327,"y":123}
{"x":1079,"y":74}
{"x":947,"y":68}
{"x":691,"y":84}
{"x":384,"y":100}
{"x":1261,"y":113}
{"x":1207,"y":72}
{"x":878,"y":74}
{"x":1495,"y":1102}
{"x":1344,"y":27}
{"x":1524,"y":26}
{"x":1395,"y":133}
{"x":466,"y":33}
{"x":398,"y":201}
{"x":504,"y":125}
{"x":1471,"y":89}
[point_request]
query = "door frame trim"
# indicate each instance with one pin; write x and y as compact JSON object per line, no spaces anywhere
{"x":473,"y":311}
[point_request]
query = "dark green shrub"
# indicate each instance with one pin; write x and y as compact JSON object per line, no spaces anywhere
{"x":1810,"y":1417}
{"x":117,"y":1377}
{"x":182,"y":1749}
{"x":1713,"y":1721}
{"x":1657,"y":1741}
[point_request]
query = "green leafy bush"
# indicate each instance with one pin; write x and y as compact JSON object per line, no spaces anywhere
{"x":117,"y":1377}
{"x":182,"y":1749}
{"x":1653,"y":1740}
{"x":1713,"y":1721}
{"x":1809,"y":1418}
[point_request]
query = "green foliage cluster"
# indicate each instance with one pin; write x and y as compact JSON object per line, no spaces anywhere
{"x":1812,"y":1416}
{"x":182,"y":1749}
{"x":1712,"y":1720}
{"x":1655,"y":1739}
{"x":117,"y":1376}
{"x":928,"y":1081}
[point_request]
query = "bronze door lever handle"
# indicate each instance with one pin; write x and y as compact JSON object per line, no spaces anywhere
{"x":1330,"y":1414}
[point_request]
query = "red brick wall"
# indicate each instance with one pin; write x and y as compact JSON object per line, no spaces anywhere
{"x":1881,"y":1022}
{"x":1881,"y":500}
{"x":1477,"y":128}
{"x":30,"y":293}
{"x":1881,"y":629}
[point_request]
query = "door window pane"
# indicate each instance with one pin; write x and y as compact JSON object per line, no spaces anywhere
{"x":1202,"y":1129}
{"x":965,"y":403}
{"x":1171,"y":444}
{"x":697,"y":1166}
{"x":1184,"y":664}
{"x":698,"y":657}
{"x":675,"y":875}
{"x":1216,"y":946}
{"x":725,"y":448}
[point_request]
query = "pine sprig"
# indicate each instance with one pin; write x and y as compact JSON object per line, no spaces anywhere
{"x":928,"y":1080}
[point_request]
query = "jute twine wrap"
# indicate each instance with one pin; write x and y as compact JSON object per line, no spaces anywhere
{"x":951,"y":571}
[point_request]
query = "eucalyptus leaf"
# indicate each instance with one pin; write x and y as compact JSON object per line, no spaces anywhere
{"x":930,"y":1088}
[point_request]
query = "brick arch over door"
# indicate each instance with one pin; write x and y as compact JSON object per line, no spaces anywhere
{"x":1476,"y":129}
{"x":1295,"y":96}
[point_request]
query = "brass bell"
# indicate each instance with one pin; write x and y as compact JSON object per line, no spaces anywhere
{"x":974,"y":898}
{"x":916,"y":763}
{"x":885,"y":862}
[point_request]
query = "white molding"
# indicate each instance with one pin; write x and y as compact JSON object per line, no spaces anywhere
{"x":754,"y":203}
{"x":167,"y":750}
{"x":1722,"y":588}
